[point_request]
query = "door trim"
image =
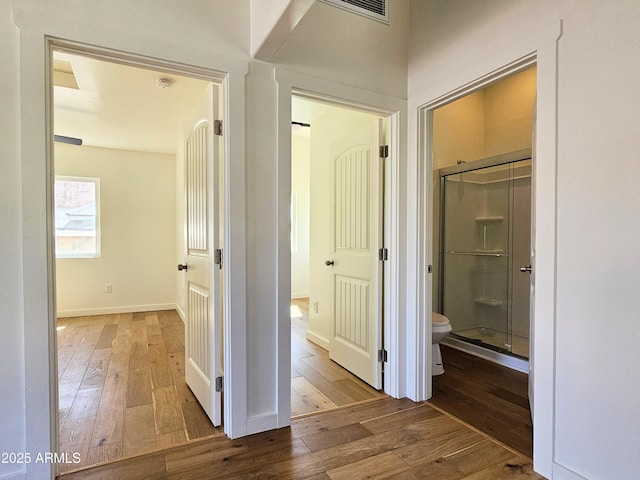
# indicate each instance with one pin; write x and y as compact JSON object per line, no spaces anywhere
{"x":394,"y":109}
{"x":38,"y":34}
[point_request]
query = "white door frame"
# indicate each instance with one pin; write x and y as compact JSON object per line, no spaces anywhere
{"x":38,"y":34}
{"x":540,"y":50}
{"x":289,"y":83}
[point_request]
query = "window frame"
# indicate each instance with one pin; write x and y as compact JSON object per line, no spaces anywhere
{"x":98,"y":250}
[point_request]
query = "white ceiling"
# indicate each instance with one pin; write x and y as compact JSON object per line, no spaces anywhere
{"x":122,"y":107}
{"x":118,"y":106}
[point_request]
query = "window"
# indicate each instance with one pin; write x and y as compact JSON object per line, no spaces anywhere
{"x":77,"y":217}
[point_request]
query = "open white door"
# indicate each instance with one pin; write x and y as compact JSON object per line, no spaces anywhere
{"x":356,"y":268}
{"x":203,"y":363}
{"x":532,"y":260}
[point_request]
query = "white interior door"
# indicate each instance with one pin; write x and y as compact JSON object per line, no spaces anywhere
{"x":203,"y":277}
{"x":532,"y":264}
{"x":356,"y":269}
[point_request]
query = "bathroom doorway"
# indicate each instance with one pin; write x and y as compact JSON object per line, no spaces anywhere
{"x":482,"y":218}
{"x":483,"y":168}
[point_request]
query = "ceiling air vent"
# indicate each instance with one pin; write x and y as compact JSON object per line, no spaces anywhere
{"x":374,"y":9}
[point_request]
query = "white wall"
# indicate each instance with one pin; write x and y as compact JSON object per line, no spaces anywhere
{"x":12,"y":351}
{"x":597,"y":245}
{"x":325,"y":131}
{"x":264,"y":14}
{"x":261,"y":243}
{"x":300,"y":190}
{"x":211,"y":22}
{"x":332,"y":44}
{"x":596,"y":429}
{"x":137,"y":226}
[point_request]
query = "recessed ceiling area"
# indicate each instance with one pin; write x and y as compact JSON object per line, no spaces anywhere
{"x":120,"y":106}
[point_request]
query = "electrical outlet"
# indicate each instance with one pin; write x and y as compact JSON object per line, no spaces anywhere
{"x":109,"y":288}
{"x":315,"y":307}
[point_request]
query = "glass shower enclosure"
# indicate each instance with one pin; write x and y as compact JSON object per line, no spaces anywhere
{"x":485,"y":235}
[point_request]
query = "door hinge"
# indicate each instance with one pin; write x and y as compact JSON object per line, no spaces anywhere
{"x":219,"y":384}
{"x":382,"y":356}
{"x":217,"y":127}
{"x":217,"y":257}
{"x":384,"y":151}
{"x":383,"y":254}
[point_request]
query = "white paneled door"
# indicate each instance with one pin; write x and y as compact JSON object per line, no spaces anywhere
{"x":203,"y":362}
{"x":355,"y":265}
{"x":532,"y":323}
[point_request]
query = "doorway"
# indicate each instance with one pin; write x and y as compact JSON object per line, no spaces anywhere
{"x":335,"y":212}
{"x":482,"y":218}
{"x":483,"y":230}
{"x":121,"y":343}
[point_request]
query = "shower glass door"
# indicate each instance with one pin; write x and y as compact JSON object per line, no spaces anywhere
{"x":520,"y":255}
{"x":476,"y":238}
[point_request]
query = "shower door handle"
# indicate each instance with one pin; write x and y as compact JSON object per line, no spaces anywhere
{"x":526,"y":269}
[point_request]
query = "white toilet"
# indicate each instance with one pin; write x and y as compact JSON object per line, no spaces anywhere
{"x":440,"y":328}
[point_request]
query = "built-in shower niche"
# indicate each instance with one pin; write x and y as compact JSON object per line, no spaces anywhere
{"x":478,"y":250}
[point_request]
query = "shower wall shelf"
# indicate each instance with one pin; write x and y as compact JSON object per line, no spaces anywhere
{"x":490,"y":302}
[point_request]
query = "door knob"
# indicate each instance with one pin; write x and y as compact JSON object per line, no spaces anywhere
{"x":182,"y":266}
{"x":526,"y":269}
{"x":329,"y":263}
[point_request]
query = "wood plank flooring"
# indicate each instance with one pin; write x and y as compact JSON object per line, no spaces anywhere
{"x":123,"y":397}
{"x":317,"y":383}
{"x":382,"y":439}
{"x":490,"y":397}
{"x":121,"y":387}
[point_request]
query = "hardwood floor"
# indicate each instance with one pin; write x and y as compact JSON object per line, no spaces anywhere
{"x":122,"y":390}
{"x":317,"y":383}
{"x":383,"y":439}
{"x":121,"y":387}
{"x":492,"y":398}
{"x":125,"y":407}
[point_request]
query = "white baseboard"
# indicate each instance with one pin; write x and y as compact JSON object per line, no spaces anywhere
{"x":318,"y":340}
{"x":563,"y":473}
{"x":262,"y":423}
{"x":300,"y":295}
{"x":183,"y":316}
{"x":112,"y":310}
{"x":14,"y":476}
